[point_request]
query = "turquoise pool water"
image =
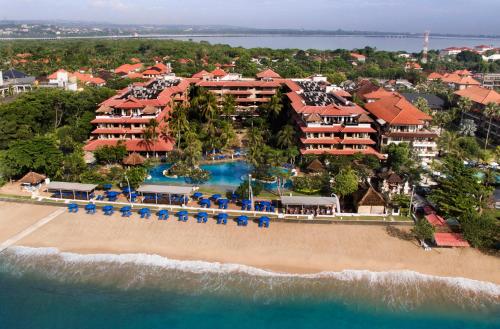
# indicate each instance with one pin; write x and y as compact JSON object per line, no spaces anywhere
{"x":227,"y":174}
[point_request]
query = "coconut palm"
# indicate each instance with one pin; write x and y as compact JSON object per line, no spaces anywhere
{"x":468,"y":128}
{"x":206,"y":103}
{"x":423,"y":105}
{"x":491,"y":111}
{"x":448,"y":141}
{"x":286,"y":137}
{"x":228,"y":105}
{"x":178,"y":122}
{"x":274,"y":106}
{"x":152,"y":133}
{"x":464,"y":105}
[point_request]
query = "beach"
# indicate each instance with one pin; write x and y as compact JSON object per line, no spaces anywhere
{"x":284,"y":247}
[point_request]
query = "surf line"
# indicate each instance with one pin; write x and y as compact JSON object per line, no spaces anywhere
{"x":11,"y":241}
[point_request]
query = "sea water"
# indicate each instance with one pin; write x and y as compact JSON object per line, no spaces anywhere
{"x":45,"y":288}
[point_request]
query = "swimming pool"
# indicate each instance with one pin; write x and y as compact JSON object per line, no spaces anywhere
{"x":223,"y":174}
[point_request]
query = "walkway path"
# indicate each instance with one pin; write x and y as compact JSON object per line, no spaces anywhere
{"x":9,"y":242}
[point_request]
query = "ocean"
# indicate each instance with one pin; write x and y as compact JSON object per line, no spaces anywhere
{"x":44,"y":288}
{"x":336,"y":42}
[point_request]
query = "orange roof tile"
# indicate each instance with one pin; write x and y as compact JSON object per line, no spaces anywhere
{"x":450,"y":240}
{"x":480,"y":95}
{"x":396,"y":110}
{"x":268,"y":74}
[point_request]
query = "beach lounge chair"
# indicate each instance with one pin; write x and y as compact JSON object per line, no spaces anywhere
{"x":264,"y":221}
{"x":246,"y":204}
{"x":163,"y":214}
{"x":242,"y":220}
{"x":145,"y":213}
{"x":216,"y":197}
{"x":201,"y":217}
{"x":126,"y":211}
{"x":223,"y":203}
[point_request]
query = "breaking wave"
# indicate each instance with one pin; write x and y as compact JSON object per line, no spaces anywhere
{"x":402,"y":290}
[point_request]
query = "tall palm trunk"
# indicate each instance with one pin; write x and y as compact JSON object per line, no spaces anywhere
{"x":488,"y":133}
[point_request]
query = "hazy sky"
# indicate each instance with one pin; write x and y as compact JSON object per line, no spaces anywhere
{"x":445,"y":16}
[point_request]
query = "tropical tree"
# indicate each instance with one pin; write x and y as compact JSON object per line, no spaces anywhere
{"x":492,"y":111}
{"x":468,"y":128}
{"x":228,"y":105}
{"x":441,"y":119}
{"x":286,"y":137}
{"x":423,"y":105}
{"x":206,"y":104}
{"x":255,"y":144}
{"x":464,"y":105}
{"x":151,"y":133}
{"x":178,"y":122}
{"x":274,"y":106}
{"x":345,"y":182}
{"x":448,"y":141}
{"x":423,"y":230}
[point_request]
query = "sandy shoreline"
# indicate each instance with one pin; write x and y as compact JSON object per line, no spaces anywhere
{"x":284,"y":247}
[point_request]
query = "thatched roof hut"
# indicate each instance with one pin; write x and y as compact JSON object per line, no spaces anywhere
{"x":316,"y":166}
{"x":32,"y":178}
{"x":134,"y":159}
{"x":371,"y":202}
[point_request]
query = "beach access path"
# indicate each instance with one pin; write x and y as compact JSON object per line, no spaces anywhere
{"x":30,"y":229}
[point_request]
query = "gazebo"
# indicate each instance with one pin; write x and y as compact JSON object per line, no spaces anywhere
{"x":32,"y":178}
{"x":134,"y":159}
{"x":74,"y":190}
{"x":316,"y":166}
{"x":172,"y":193}
{"x":371,"y":202}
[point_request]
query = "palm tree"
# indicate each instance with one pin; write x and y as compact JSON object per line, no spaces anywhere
{"x":178,"y":122}
{"x":147,"y":139}
{"x":228,"y":105}
{"x":152,"y":131}
{"x":274,"y":106}
{"x":206,"y":103}
{"x":464,"y":105}
{"x":468,"y":128}
{"x":441,"y":119}
{"x":491,"y":111}
{"x":255,"y":145}
{"x":423,"y":105}
{"x":286,"y":137}
{"x":448,"y":141}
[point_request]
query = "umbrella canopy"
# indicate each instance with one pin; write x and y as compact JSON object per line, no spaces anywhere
{"x":134,"y":159}
{"x":32,"y":178}
{"x":222,"y":216}
{"x":197,"y":195}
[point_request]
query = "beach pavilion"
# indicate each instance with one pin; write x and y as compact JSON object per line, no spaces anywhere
{"x":32,"y":179}
{"x":172,"y":193}
{"x":74,"y":190}
{"x":317,"y":205}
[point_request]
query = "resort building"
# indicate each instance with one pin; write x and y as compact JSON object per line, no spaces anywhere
{"x":481,"y":97}
{"x":125,"y":116}
{"x":14,"y":82}
{"x":249,"y":93}
{"x":71,"y":81}
{"x":457,"y":80}
{"x":328,"y":123}
{"x":399,"y":121}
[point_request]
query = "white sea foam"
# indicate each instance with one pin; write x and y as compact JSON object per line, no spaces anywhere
{"x":404,"y":277}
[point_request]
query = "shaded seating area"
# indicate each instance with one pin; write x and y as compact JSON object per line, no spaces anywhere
{"x":205,"y":203}
{"x":111,"y":195}
{"x":134,"y":159}
{"x":108,"y":210}
{"x":264,"y":206}
{"x":242,"y":220}
{"x":165,"y":194}
{"x":126,"y":211}
{"x":221,"y":218}
{"x":309,"y":205}
{"x":264,"y":221}
{"x":202,"y":217}
{"x":183,"y":215}
{"x":223,"y":203}
{"x":90,"y":208}
{"x":163,"y":214}
{"x":246,"y":204}
{"x":145,"y":213}
{"x":66,"y":190}
{"x":73,"y":207}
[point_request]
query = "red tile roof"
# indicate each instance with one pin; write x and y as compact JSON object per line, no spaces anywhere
{"x":396,"y":110}
{"x":268,"y":74}
{"x":480,"y":95}
{"x":435,"y":220}
{"x":435,"y":76}
{"x":218,"y":72}
{"x":54,"y":75}
{"x":459,"y":80}
{"x":450,"y":240}
{"x":239,"y":83}
{"x":127,"y":68}
{"x":357,"y":56}
{"x":368,"y":151}
{"x":325,"y":141}
{"x":200,"y":74}
{"x":133,"y":145}
{"x":378,"y":94}
{"x":341,"y":93}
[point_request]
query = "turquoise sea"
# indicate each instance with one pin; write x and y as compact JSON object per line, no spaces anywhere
{"x":43,"y":288}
